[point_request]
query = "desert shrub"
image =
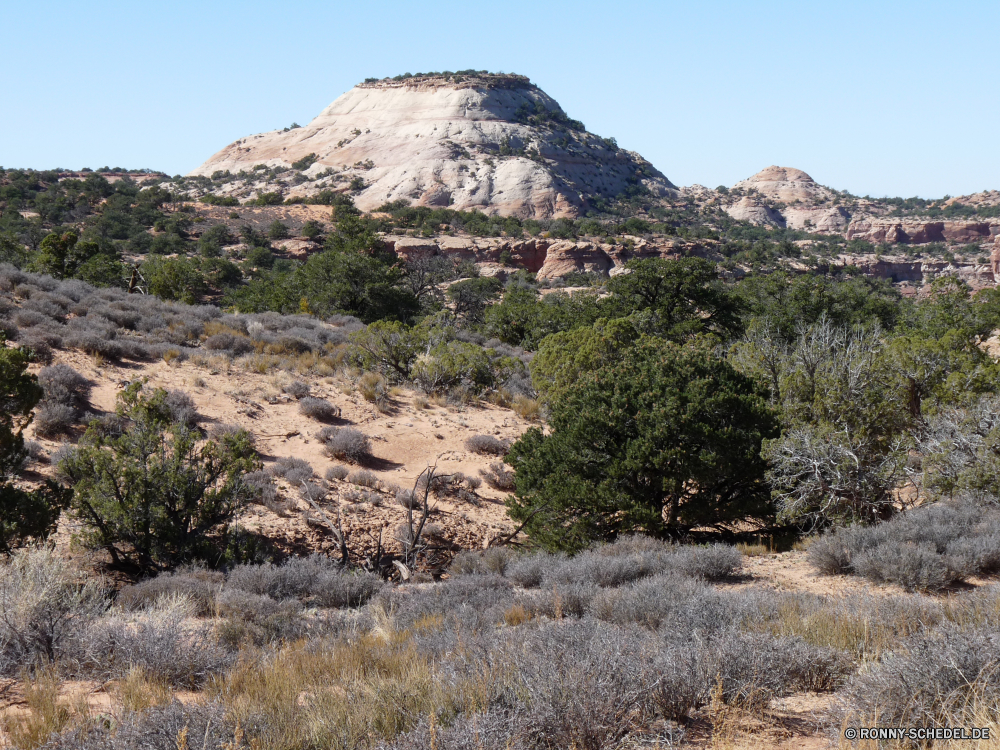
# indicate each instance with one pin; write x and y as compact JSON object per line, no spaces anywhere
{"x":312,"y":491}
{"x":181,"y":407}
{"x":568,"y":600}
{"x":926,"y":548}
{"x":374,"y":389}
{"x":940,"y":678}
{"x":526,"y":408}
{"x":198,"y":585}
{"x":157,"y":728}
{"x":755,"y":668}
{"x":349,"y":444}
{"x":336,"y":472}
{"x":492,"y":560}
{"x":62,"y":384}
{"x":152,"y":493}
{"x":259,"y":619}
{"x":716,"y":562}
{"x":579,"y":681}
{"x":914,"y":566}
{"x":408,"y":499}
{"x":364,"y":478}
{"x":294,"y":470}
{"x":486,"y":445}
{"x":315,"y":579}
{"x":297,"y":389}
{"x":52,"y":420}
{"x":229,"y":342}
{"x":35,"y":452}
{"x":473,"y":602}
{"x":661,"y":600}
{"x":319,"y":409}
{"x":530,"y":570}
{"x":499,"y":477}
{"x":161,"y":639}
{"x":65,"y":396}
{"x":262,"y":485}
{"x":45,"y":606}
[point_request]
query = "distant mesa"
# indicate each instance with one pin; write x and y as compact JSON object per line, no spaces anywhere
{"x":469,"y":140}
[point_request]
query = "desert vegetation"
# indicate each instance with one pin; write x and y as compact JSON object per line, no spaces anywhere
{"x":662,"y":420}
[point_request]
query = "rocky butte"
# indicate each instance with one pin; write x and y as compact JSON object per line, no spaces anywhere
{"x":490,"y":142}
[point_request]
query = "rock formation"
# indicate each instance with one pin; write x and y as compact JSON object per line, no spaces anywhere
{"x":495,"y":143}
{"x":756,"y":212}
{"x":548,"y":258}
{"x":918,"y":231}
{"x":786,"y":185}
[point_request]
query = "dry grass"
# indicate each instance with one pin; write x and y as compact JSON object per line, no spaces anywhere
{"x":864,"y":627}
{"x":755,"y":549}
{"x":138,"y":691}
{"x":46,"y":714}
{"x":527,"y":408}
{"x":374,"y":389}
{"x":340,"y":695}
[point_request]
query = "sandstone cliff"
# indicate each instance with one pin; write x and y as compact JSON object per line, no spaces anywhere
{"x":548,"y":258}
{"x":494,"y":143}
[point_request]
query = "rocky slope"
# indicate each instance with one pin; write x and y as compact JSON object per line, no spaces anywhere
{"x":495,"y":143}
{"x":787,"y":197}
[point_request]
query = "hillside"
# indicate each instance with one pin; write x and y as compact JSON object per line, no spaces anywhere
{"x":495,"y":143}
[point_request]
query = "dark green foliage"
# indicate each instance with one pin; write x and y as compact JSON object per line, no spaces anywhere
{"x":353,"y":276}
{"x":212,"y":240}
{"x":152,"y":493}
{"x":666,"y":439}
{"x":471,"y":297}
{"x":305,"y":162}
{"x":524,"y":318}
{"x":24,"y":515}
{"x":174,"y":279}
{"x":684,"y":296}
{"x":311,"y":230}
{"x":277,"y":231}
{"x":789,"y":303}
{"x":268,"y":199}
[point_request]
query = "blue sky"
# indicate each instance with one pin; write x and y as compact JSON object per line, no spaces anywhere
{"x":880,"y":98}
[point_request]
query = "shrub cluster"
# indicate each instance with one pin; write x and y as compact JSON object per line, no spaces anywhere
{"x":44,"y":313}
{"x":348,"y":444}
{"x":65,"y":397}
{"x":318,"y":408}
{"x":924,"y":549}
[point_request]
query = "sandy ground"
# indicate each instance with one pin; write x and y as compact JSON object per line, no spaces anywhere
{"x":405,"y":442}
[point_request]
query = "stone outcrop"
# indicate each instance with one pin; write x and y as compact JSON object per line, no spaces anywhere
{"x":493,"y":143}
{"x":548,"y":258}
{"x":892,"y":231}
{"x":755,"y":212}
{"x":921,"y":271}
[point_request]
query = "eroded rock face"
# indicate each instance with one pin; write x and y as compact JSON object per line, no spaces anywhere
{"x":888,"y":231}
{"x":755,"y":212}
{"x":498,"y":144}
{"x":549,"y":259}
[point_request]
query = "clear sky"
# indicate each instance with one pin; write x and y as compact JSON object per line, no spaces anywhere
{"x":879,"y":98}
